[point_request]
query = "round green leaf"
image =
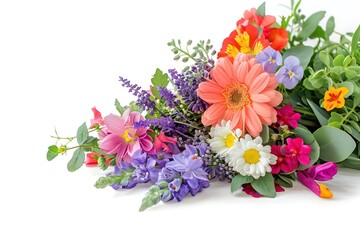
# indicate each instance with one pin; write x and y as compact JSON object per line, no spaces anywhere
{"x":265,"y":185}
{"x":335,"y":145}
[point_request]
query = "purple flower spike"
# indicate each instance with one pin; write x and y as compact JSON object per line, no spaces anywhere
{"x":270,"y":59}
{"x":291,"y":73}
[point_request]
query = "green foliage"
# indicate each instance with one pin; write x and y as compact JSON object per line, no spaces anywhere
{"x":159,"y":79}
{"x":265,"y":134}
{"x":309,"y":26}
{"x":284,"y":180}
{"x":109,"y":180}
{"x":151,"y":198}
{"x":355,"y":40}
{"x":265,"y":185}
{"x":118,"y":107}
{"x":335,"y":144}
{"x":321,"y":115}
{"x":82,"y":134}
{"x":261,"y":10}
{"x":330,"y":26}
{"x":52,"y":152}
{"x":239,"y":180}
{"x":77,"y":160}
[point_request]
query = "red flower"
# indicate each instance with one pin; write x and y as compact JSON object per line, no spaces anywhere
{"x":92,"y":159}
{"x":163,"y":142}
{"x":287,"y":116}
{"x":283,"y":163}
{"x":278,"y":38}
{"x":98,"y":119}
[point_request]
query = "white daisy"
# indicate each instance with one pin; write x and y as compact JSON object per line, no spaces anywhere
{"x":250,"y":158}
{"x":223,"y":138}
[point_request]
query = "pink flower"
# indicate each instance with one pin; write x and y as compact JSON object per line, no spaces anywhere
{"x":320,"y":172}
{"x":287,"y":116}
{"x":296,"y":150}
{"x":283,"y":162}
{"x":163,"y":142}
{"x":98,"y":120}
{"x":122,"y":138}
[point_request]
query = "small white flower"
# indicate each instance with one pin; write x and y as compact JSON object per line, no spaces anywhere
{"x":250,"y":158}
{"x":223,"y":138}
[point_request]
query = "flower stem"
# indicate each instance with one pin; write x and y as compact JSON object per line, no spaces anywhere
{"x":187,"y":124}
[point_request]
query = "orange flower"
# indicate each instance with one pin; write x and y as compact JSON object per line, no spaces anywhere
{"x":278,"y":38}
{"x":242,"y":93}
{"x":252,"y":34}
{"x":334,"y":98}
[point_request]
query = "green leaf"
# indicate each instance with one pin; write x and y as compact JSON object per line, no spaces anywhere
{"x":239,"y":180}
{"x":330,"y":26}
{"x":261,"y":10}
{"x":352,"y":161}
{"x":355,"y":40}
{"x":118,"y":107}
{"x":335,"y":117}
{"x":320,"y":113}
{"x":304,"y":53}
{"x":309,"y":139}
{"x":325,"y":58}
{"x":347,"y":61}
{"x":338,"y":60}
{"x":160,"y":79}
{"x":82,"y":134}
{"x":350,"y":74}
{"x":151,"y":198}
{"x":155,"y":92}
{"x":310,"y":24}
{"x":336,"y":145}
{"x":355,"y":125}
{"x":76,"y":161}
{"x":265,"y":185}
{"x":355,"y":133}
{"x":52,"y":152}
{"x":265,"y":136}
{"x":318,"y":33}
{"x":103,"y":182}
{"x":357,"y":100}
{"x":284,"y":181}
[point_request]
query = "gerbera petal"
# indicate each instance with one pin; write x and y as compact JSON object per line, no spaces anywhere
{"x":260,"y":98}
{"x":216,"y":111}
{"x":254,"y":72}
{"x":210,"y":92}
{"x":220,"y":75}
{"x":253,"y":124}
{"x":262,"y":109}
{"x":241,"y":72}
{"x":259,"y":83}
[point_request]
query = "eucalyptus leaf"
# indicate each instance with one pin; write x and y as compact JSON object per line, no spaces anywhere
{"x":265,"y":134}
{"x":76,"y":161}
{"x":352,"y":161}
{"x":355,"y":133}
{"x":82,"y":134}
{"x":335,"y":145}
{"x":310,"y":24}
{"x":330,"y":26}
{"x":261,"y":10}
{"x":320,"y":113}
{"x":265,"y":185}
{"x":355,"y":40}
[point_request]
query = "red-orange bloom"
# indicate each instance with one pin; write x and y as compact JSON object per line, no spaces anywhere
{"x":278,"y":38}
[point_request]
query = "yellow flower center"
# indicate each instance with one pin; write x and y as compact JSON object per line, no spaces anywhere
{"x":126,"y":136}
{"x":230,"y":140}
{"x":291,"y":74}
{"x":252,"y":156}
{"x":272,"y":60}
{"x":243,"y":39}
{"x":236,"y":96}
{"x":325,"y":191}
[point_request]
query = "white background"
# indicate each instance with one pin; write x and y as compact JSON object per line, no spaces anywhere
{"x":60,"y":58}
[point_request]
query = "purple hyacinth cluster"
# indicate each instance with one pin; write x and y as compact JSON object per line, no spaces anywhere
{"x":183,"y":175}
{"x":141,"y":170}
{"x":187,"y":83}
{"x":143,"y":97}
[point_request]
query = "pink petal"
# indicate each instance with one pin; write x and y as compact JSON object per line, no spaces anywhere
{"x":260,"y":98}
{"x":115,"y":124}
{"x":220,"y":75}
{"x":111,"y":144}
{"x":267,"y":21}
{"x":210,"y":92}
{"x":216,"y":111}
{"x":253,"y":123}
{"x":308,"y":182}
{"x":146,"y":144}
{"x":262,"y":109}
{"x":133,"y":147}
{"x":254,"y":72}
{"x":259,"y":83}
{"x":241,"y":72}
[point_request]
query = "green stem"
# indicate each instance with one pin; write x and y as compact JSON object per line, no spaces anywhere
{"x":347,"y":115}
{"x":79,"y":146}
{"x":186,"y":53}
{"x":187,"y":124}
{"x":304,"y":111}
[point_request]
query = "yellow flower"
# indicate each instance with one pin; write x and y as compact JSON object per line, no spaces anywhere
{"x":334,"y":98}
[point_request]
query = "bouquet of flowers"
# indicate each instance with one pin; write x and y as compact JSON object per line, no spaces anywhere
{"x":278,"y":103}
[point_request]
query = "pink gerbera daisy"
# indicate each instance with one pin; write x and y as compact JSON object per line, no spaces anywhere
{"x":122,"y":139}
{"x":242,"y":93}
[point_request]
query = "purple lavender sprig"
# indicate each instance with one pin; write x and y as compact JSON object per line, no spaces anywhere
{"x":143,"y":97}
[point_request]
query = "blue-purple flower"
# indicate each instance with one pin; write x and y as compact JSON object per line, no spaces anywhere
{"x":270,"y":59}
{"x":189,"y":166}
{"x":144,"y":168}
{"x":291,"y":73}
